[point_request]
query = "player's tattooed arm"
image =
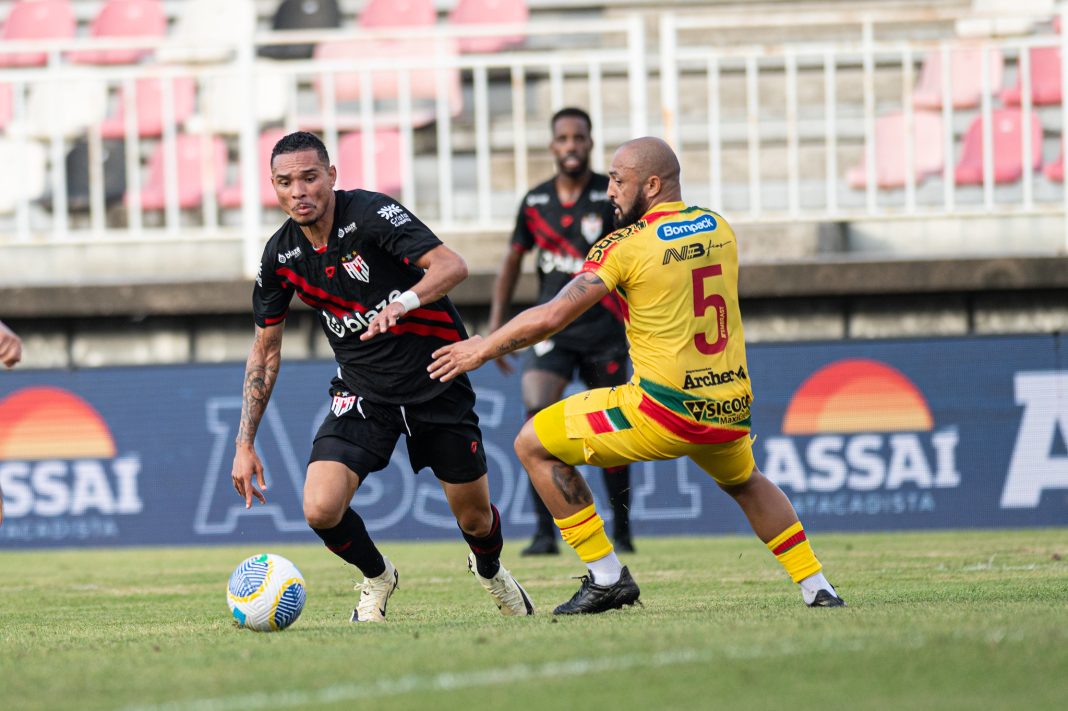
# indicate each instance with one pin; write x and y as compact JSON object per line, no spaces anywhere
{"x":578,"y":289}
{"x":261,"y":372}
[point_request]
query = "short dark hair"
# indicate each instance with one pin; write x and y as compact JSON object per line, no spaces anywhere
{"x":570,"y":112}
{"x":300,"y":141}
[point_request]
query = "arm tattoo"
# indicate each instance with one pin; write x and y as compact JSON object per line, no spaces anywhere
{"x":261,"y":372}
{"x":578,"y":288}
{"x":511,"y":345}
{"x":571,"y":484}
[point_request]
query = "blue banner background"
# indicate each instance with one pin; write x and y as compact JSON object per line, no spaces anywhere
{"x":995,"y":455}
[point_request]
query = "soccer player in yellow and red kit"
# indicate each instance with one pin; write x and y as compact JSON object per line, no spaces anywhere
{"x":676,"y":269}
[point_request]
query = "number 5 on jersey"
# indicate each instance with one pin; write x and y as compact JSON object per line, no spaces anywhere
{"x":703,"y":300}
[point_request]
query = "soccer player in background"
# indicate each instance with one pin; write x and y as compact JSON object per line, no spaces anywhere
{"x":378,"y":279}
{"x":10,"y":346}
{"x":676,"y":266}
{"x":562,"y":218}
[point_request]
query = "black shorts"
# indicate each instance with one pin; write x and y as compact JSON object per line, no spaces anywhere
{"x":597,"y":367}
{"x":442,"y":433}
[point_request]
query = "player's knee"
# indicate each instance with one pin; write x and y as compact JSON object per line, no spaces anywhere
{"x":322,"y":514}
{"x":526,"y":442}
{"x":475,"y":522}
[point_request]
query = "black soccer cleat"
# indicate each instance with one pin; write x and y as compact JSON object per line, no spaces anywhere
{"x":825,"y":598}
{"x":592,"y":598}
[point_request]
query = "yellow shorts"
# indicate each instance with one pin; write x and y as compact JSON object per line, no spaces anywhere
{"x":603,"y":427}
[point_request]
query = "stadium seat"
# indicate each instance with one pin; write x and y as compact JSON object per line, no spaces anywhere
{"x":891,"y":170}
{"x":77,"y":164}
{"x":398,"y":13}
{"x":1045,"y":79}
{"x":489,"y":12}
{"x":191,"y":166}
{"x":965,"y":76}
{"x":1055,"y":170}
{"x":66,"y":108}
{"x":385,"y":85}
{"x":230,"y":195}
{"x":221,"y":103}
{"x":123,"y":18}
{"x":301,"y":15}
{"x":388,"y":162}
{"x":149,"y":100}
{"x":36,"y":20}
{"x":26,"y":183}
{"x":1008,"y":147}
{"x":206,"y":30}
{"x":7,"y":104}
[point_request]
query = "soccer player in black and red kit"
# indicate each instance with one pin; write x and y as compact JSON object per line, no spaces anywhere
{"x":378,"y":279}
{"x":562,"y":218}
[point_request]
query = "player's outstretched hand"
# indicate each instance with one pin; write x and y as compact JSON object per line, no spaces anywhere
{"x":386,"y":319}
{"x":456,"y":359}
{"x":246,"y":464}
{"x":10,"y":346}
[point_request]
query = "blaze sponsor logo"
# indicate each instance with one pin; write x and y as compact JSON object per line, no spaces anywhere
{"x":59,"y":466}
{"x":284,"y":257}
{"x":347,"y":229}
{"x":342,"y":403}
{"x":553,"y":262}
{"x":860,"y":440}
{"x":598,"y":196}
{"x":675,"y":230}
{"x":535,"y":199}
{"x":356,"y":321}
{"x":395,"y":214}
{"x":592,"y":227}
{"x":356,"y":267}
{"x":707,"y":378}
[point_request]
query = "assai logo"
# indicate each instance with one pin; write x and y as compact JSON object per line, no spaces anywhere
{"x":675,"y":230}
{"x":61,"y":474}
{"x":860,"y":440}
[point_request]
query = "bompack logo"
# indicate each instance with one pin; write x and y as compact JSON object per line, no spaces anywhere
{"x":60,"y":471}
{"x":859,"y":439}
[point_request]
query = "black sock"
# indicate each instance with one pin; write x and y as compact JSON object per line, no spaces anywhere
{"x":487,"y":550}
{"x":617,"y":482}
{"x":349,"y":541}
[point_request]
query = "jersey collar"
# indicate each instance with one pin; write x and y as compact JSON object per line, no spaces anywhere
{"x":663,"y":209}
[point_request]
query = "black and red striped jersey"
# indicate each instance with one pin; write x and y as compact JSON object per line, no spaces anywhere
{"x":562,"y":235}
{"x":368,"y":261}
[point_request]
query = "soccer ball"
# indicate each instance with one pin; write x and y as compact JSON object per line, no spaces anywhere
{"x":266,"y":593}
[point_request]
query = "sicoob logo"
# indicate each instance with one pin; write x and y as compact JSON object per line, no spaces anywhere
{"x":59,"y":466}
{"x":860,"y":439}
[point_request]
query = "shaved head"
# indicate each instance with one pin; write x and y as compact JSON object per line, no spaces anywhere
{"x":644,"y":172}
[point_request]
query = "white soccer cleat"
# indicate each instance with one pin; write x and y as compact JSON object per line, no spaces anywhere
{"x":374,"y":595}
{"x":507,"y":593}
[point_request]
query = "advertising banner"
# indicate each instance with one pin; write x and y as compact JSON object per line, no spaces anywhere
{"x":880,"y":435}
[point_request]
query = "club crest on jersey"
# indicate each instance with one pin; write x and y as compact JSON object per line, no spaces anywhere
{"x":356,"y":267}
{"x":592,"y":227}
{"x":343,"y":402}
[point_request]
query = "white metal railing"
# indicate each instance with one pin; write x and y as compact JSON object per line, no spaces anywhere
{"x":465,"y":171}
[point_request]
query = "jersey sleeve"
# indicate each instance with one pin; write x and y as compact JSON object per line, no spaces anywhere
{"x":271,"y":295}
{"x":397,"y":230}
{"x":522,"y":237}
{"x":608,"y":261}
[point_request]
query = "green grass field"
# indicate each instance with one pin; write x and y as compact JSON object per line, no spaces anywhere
{"x":955,"y":620}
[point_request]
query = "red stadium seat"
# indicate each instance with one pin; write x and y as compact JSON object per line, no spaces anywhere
{"x":388,"y":162}
{"x":124,"y":18}
{"x":1045,"y":79}
{"x":398,"y":13}
{"x":191,"y":166}
{"x":150,"y":107}
{"x":1055,"y":170}
{"x":231,"y":195}
{"x":36,"y":20}
{"x":965,"y":77}
{"x":890,"y":165}
{"x":489,"y":12}
{"x":1008,"y":146}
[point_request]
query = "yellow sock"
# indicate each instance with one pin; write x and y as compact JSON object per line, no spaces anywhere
{"x":584,"y":532}
{"x":792,"y":549}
